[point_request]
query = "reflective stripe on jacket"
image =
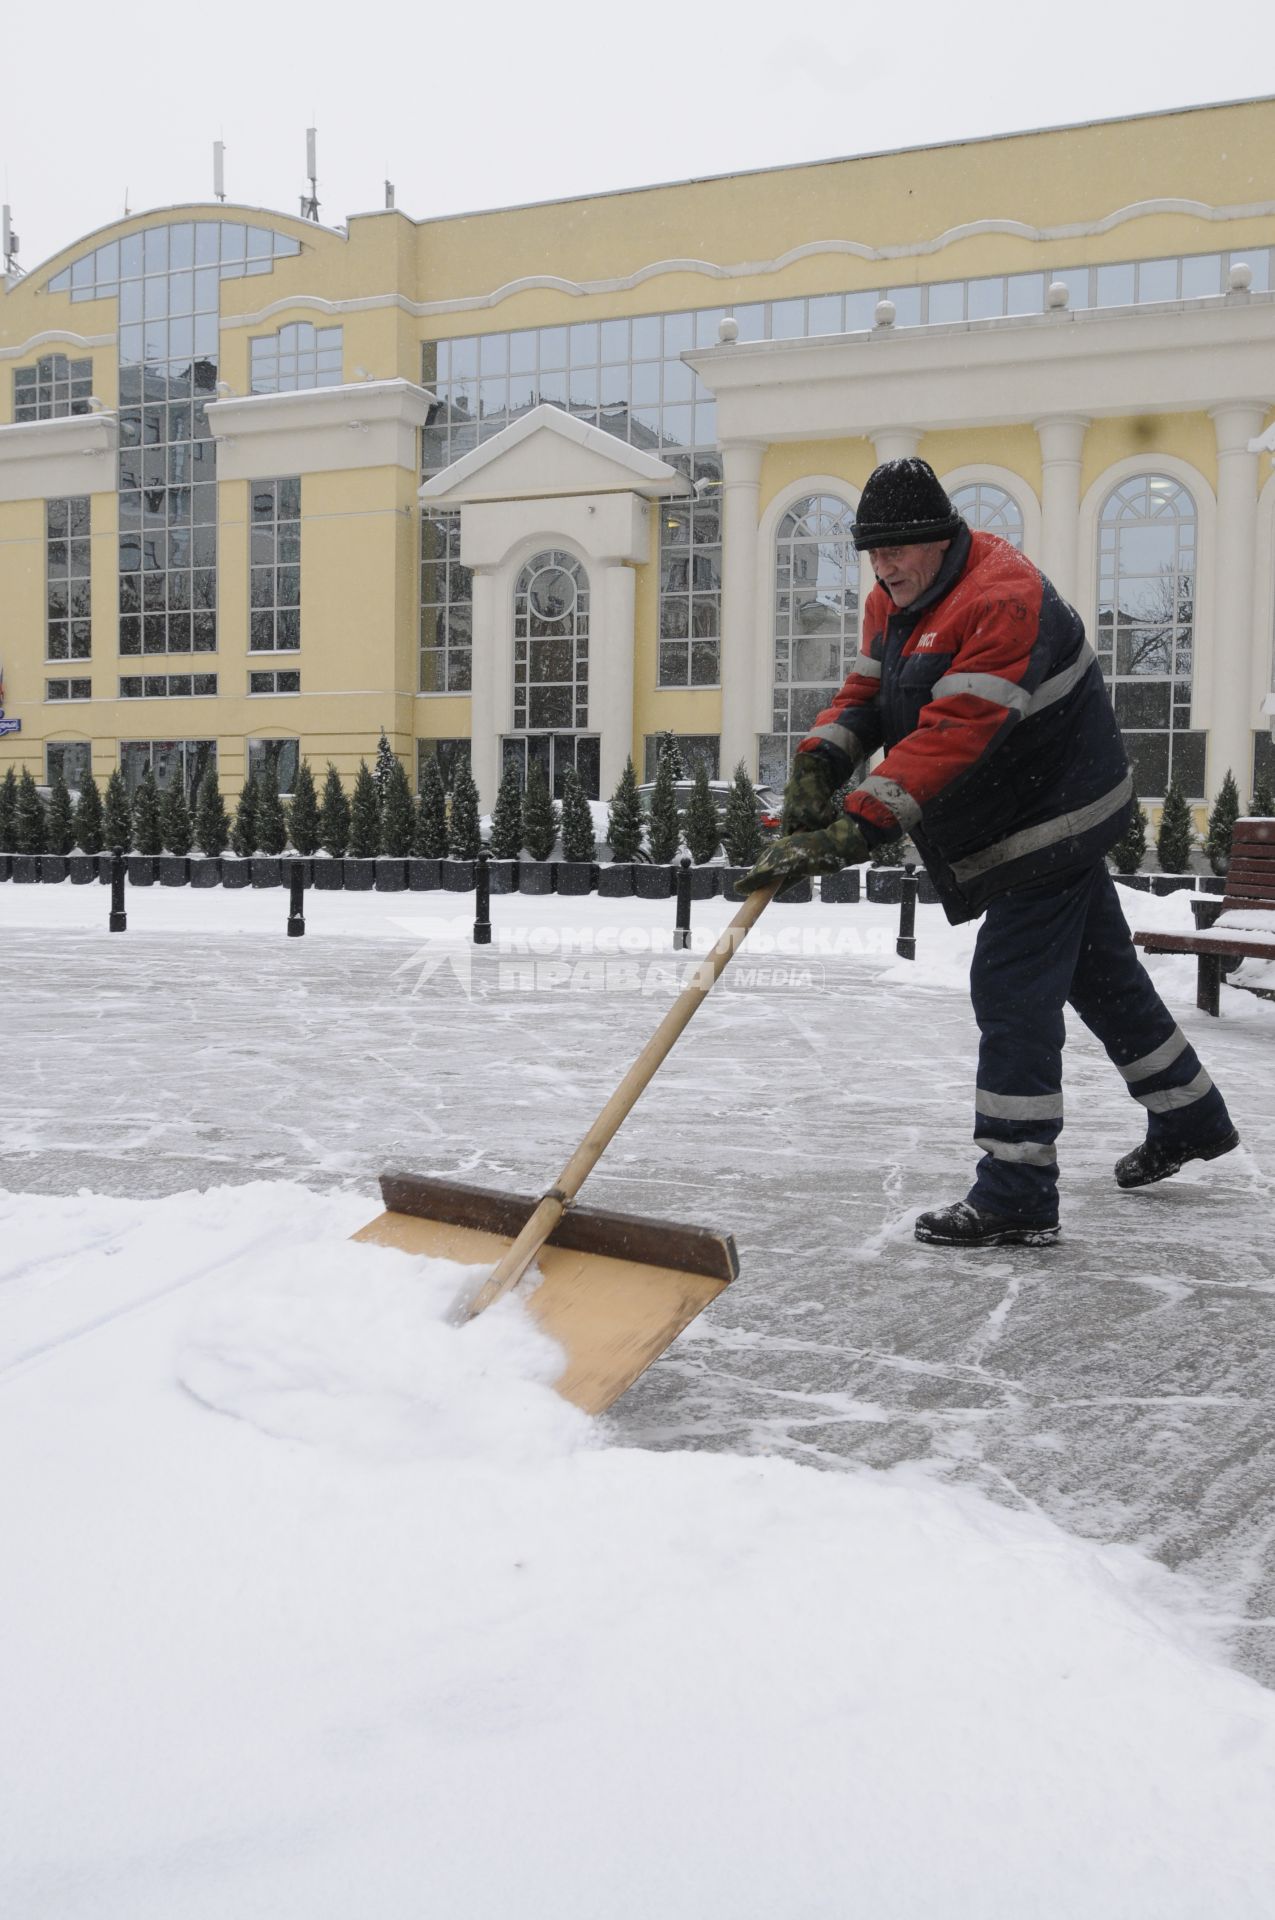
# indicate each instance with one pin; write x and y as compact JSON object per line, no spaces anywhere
{"x":1003,"y":758}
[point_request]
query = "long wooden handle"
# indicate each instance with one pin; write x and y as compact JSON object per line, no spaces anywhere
{"x":510,"y":1269}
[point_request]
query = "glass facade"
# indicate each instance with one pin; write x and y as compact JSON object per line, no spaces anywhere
{"x":68,"y":582}
{"x":553,"y":753}
{"x":167,"y":281}
{"x":280,"y":758}
{"x":72,"y":759}
{"x":52,"y":389}
{"x":816,"y":622}
{"x":169,"y":760}
{"x":297,"y":356}
{"x":1144,"y":636}
{"x":991,"y":510}
{"x":627,"y":377}
{"x":274,"y":588}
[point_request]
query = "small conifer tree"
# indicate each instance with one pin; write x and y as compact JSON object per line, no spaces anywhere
{"x":334,"y":815}
{"x":539,"y":816}
{"x":117,"y":814}
{"x":243,"y":835}
{"x":624,"y":819}
{"x":669,"y":749}
{"x":59,"y":822}
{"x":465,"y":834}
{"x":578,"y":839}
{"x":174,"y":820}
{"x":303,"y":814}
{"x":665,"y":828}
{"x":8,"y":810}
{"x":397,"y":819}
{"x":506,"y":818}
{"x":212,"y":822}
{"x":1130,"y":849}
{"x":1226,"y":811}
{"x":889,"y":853}
{"x":1174,"y":840}
{"x":703,"y":827}
{"x":1262,"y":805}
{"x":429,"y":842}
{"x":383,"y":768}
{"x":740,"y":830}
{"x":365,"y":816}
{"x":28,"y":835}
{"x":148,"y":832}
{"x":272,"y":824}
{"x":88,"y":816}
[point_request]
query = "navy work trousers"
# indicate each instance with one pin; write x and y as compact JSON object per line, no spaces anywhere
{"x":1066,"y":942}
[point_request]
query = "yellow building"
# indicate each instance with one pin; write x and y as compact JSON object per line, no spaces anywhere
{"x":543,"y":482}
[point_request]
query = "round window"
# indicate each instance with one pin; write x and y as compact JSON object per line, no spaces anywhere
{"x":552,"y":593}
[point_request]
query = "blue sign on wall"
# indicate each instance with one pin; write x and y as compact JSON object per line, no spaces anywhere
{"x":10,"y":726}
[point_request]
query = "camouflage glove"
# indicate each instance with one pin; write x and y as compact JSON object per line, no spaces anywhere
{"x":808,"y":802}
{"x":784,"y":861}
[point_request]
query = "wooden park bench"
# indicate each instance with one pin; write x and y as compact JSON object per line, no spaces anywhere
{"x":1239,"y":926}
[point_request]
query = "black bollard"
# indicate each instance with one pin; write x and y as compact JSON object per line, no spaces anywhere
{"x":905,"y":945}
{"x":482,"y":901}
{"x":296,"y":900}
{"x":682,"y":924}
{"x":119,"y":919}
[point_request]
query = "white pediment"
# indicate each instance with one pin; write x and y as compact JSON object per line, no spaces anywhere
{"x":549,"y":454}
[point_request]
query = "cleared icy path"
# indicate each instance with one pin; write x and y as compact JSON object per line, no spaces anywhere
{"x":1124,"y":1383}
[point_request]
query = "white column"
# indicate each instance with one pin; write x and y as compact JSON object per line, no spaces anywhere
{"x":741,"y":500}
{"x":895,"y":443}
{"x":1062,"y":446}
{"x":484,"y":700}
{"x":1233,"y":682}
{"x":611,"y":669}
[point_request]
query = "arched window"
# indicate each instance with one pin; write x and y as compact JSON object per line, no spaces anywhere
{"x":551,"y":645}
{"x":989,"y":509}
{"x":1146,"y":626}
{"x":816,"y":624}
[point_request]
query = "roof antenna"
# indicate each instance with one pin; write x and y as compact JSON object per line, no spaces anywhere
{"x":219,"y":170}
{"x":9,"y":244}
{"x":389,"y":196}
{"x":310,"y":201}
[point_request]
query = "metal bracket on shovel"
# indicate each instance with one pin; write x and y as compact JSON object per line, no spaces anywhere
{"x":615,"y":1289}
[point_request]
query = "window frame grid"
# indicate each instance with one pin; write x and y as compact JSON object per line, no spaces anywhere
{"x":68,"y":561}
{"x":146,"y":686}
{"x":274,"y":564}
{"x":54,"y":388}
{"x":195,"y":757}
{"x":1110,"y":629}
{"x":448,"y":657}
{"x":82,"y":750}
{"x":297,"y":358}
{"x":801,"y":527}
{"x":574,"y":623}
{"x":70,"y":683}
{"x":274,"y":691}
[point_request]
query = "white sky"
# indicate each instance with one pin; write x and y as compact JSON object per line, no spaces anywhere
{"x":482,"y":103}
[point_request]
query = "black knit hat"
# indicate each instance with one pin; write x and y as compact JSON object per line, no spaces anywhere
{"x":903,"y":505}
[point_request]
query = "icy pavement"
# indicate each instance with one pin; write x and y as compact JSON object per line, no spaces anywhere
{"x":1121,"y":1384}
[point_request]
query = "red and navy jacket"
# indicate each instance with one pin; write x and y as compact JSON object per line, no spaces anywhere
{"x":1003,"y":758}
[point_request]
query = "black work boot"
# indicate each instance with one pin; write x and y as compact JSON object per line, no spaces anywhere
{"x":963,"y":1225}
{"x":1157,"y":1159}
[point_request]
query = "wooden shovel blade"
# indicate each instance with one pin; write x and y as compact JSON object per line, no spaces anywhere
{"x":614,"y":1290}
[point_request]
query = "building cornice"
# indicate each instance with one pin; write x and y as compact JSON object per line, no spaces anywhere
{"x":374,"y":423}
{"x":1183,"y":357}
{"x":44,"y":459}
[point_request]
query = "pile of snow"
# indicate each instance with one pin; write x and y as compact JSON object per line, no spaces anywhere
{"x":316,"y":1605}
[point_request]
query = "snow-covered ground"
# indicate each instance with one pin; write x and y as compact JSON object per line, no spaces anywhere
{"x":312,"y":1606}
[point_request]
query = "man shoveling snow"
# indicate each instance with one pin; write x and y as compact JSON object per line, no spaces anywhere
{"x":1005,"y":764}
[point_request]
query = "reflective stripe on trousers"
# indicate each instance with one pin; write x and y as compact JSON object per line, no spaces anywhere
{"x":1039,"y":949}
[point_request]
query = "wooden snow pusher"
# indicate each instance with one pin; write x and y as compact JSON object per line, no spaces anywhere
{"x":614,"y":1289}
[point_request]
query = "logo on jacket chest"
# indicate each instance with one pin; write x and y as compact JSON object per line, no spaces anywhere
{"x":927,"y":642}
